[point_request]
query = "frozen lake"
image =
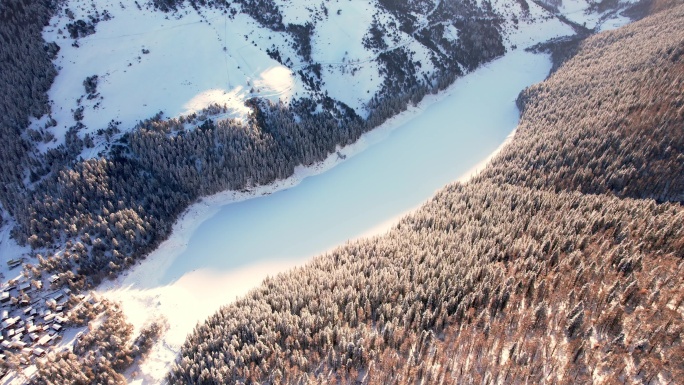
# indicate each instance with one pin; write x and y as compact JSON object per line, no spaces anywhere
{"x":220,"y":250}
{"x":390,"y":177}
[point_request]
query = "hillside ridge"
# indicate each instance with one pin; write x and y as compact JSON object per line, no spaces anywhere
{"x":504,"y":279}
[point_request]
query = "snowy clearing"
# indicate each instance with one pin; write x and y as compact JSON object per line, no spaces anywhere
{"x":148,"y":61}
{"x":591,"y":15}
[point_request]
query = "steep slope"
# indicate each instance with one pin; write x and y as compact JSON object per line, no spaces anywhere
{"x":248,"y":91}
{"x":503,"y":280}
{"x":471,"y":272}
{"x":625,"y":134}
{"x":194,"y":55}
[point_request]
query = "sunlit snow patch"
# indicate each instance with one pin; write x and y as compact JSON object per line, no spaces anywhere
{"x":147,"y":61}
{"x":233,"y":100}
{"x":276,"y":81}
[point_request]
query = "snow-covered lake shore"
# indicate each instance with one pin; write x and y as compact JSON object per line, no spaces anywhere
{"x":228,"y":243}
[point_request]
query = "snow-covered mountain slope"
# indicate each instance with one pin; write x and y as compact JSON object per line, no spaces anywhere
{"x":595,"y":15}
{"x":124,"y":61}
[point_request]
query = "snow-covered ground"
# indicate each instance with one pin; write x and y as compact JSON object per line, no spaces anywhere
{"x":228,"y":243}
{"x":10,"y":249}
{"x":339,"y":47}
{"x":589,"y":14}
{"x":190,"y":60}
{"x":535,"y":27}
{"x":148,"y":61}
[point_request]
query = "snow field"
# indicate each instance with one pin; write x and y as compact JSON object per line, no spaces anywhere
{"x":350,"y":72}
{"x":586,"y":13}
{"x":532,"y":27}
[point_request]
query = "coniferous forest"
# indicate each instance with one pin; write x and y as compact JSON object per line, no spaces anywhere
{"x":561,"y":263}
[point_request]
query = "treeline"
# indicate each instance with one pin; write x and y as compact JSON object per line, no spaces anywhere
{"x":228,"y":154}
{"x":532,"y":273}
{"x":480,"y":41}
{"x":115,"y":209}
{"x":595,"y":276}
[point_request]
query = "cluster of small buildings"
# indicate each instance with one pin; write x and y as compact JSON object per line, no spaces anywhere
{"x":31,"y":325}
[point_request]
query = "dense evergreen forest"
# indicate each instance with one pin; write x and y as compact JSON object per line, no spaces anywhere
{"x":561,"y":263}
